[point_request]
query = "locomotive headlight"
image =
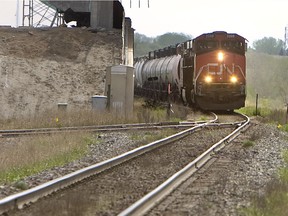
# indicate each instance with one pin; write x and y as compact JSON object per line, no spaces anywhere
{"x":220,"y":56}
{"x":208,"y":79}
{"x":233,"y":79}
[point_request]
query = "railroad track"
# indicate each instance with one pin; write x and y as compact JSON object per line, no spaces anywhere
{"x":31,"y":195}
{"x":153,"y":198}
{"x":100,"y":128}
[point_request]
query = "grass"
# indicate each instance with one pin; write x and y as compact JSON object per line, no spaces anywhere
{"x":269,"y":115}
{"x":283,"y":127}
{"x":273,"y":203}
{"x":251,"y":111}
{"x":151,"y":136}
{"x":30,"y":155}
{"x":145,"y":112}
{"x":86,"y":117}
{"x":25,"y":156}
{"x":248,"y":143}
{"x":275,"y":199}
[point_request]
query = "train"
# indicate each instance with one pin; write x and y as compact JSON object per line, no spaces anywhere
{"x":207,"y":72}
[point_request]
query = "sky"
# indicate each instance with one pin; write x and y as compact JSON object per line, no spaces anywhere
{"x":252,"y":19}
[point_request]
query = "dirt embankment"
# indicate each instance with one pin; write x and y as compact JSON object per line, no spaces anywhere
{"x":42,"y":67}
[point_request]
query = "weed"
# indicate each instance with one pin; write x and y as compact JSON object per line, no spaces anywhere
{"x":285,"y":156}
{"x":275,"y":200}
{"x":91,"y":140}
{"x":33,"y":155}
{"x":283,"y":127}
{"x":273,"y":203}
{"x":21,"y":185}
{"x":151,"y":136}
{"x":248,"y":143}
{"x":249,"y":111}
{"x":255,"y":136}
{"x":203,"y":118}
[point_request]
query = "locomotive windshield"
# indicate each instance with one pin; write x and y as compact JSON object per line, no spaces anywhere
{"x":233,"y":46}
{"x":206,"y":46}
{"x":228,"y":45}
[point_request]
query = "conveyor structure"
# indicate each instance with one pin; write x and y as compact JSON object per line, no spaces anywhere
{"x":89,"y":13}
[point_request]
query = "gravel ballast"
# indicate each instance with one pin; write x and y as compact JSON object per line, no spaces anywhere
{"x":242,"y":174}
{"x":239,"y":175}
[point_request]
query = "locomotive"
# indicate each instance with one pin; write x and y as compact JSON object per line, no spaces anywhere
{"x":208,"y":72}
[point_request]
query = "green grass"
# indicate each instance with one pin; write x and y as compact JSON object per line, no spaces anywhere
{"x":17,"y":173}
{"x":203,"y":118}
{"x":25,"y":156}
{"x":251,"y":111}
{"x":82,"y":117}
{"x":275,"y":200}
{"x":151,"y":136}
{"x":283,"y":127}
{"x":248,"y":143}
{"x":39,"y":153}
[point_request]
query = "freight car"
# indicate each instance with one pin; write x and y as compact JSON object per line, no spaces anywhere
{"x":207,"y":72}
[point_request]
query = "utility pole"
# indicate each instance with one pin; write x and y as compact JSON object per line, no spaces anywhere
{"x":285,"y":41}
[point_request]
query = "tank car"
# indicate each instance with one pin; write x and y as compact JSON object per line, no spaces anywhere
{"x":208,"y":72}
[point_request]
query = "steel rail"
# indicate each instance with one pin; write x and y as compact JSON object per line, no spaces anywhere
{"x":150,"y":200}
{"x":104,"y":128}
{"x":32,"y":195}
{"x":93,"y":127}
{"x":113,"y":129}
{"x":101,"y":128}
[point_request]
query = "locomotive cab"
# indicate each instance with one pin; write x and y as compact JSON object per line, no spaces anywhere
{"x":219,"y":71}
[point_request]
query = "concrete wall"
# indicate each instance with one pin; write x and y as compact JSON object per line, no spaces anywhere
{"x":101,"y":14}
{"x":128,"y":43}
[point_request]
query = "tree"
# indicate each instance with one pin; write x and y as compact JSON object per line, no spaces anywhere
{"x":269,"y":45}
{"x":172,"y":39}
{"x":144,"y":44}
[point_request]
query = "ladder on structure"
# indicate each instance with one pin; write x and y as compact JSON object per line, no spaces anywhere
{"x":38,"y":14}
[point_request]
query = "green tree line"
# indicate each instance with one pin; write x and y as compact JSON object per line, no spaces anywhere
{"x":270,"y":45}
{"x":144,"y":44}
